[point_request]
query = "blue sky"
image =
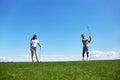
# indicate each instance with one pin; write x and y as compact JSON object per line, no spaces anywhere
{"x":58,"y":25}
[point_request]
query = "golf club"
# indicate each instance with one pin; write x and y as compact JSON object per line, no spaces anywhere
{"x":89,"y":30}
{"x":40,"y":54}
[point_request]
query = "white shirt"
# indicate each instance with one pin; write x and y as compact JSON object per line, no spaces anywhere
{"x":34,"y":43}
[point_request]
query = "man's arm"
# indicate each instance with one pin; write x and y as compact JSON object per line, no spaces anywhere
{"x":89,"y":39}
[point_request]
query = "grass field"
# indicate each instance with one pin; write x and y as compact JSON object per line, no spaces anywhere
{"x":76,"y":70}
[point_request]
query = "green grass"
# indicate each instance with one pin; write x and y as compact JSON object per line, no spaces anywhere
{"x":76,"y":70}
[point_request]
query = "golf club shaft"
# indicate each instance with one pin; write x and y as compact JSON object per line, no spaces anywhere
{"x":40,"y":54}
{"x":88,"y":30}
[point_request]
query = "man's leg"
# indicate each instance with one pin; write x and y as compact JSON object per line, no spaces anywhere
{"x":83,"y":56}
{"x":87,"y":52}
{"x":87,"y":55}
{"x":83,"y":53}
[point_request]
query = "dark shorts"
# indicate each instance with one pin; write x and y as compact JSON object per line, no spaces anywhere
{"x":85,"y":49}
{"x":33,"y":49}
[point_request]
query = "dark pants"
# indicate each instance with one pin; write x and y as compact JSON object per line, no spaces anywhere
{"x":85,"y":50}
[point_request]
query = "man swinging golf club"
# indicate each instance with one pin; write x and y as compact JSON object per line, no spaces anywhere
{"x":33,"y":47}
{"x":85,"y":46}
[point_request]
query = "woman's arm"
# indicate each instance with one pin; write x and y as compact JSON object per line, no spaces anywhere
{"x":39,"y":45}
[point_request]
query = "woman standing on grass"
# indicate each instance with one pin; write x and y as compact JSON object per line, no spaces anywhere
{"x":33,"y":47}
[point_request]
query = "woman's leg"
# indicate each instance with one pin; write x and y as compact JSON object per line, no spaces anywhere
{"x":32,"y":54}
{"x":36,"y":54}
